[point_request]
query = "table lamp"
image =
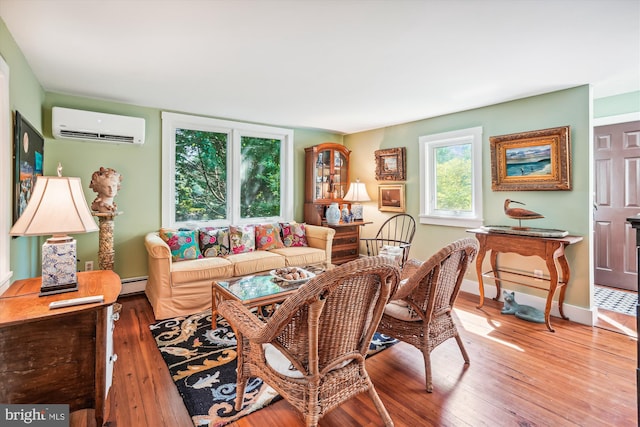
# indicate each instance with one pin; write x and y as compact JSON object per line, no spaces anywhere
{"x":57,"y":206}
{"x":357,"y":193}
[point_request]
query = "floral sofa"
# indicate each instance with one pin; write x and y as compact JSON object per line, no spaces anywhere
{"x":182,"y":264}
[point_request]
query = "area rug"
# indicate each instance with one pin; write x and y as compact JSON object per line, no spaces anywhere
{"x":615,"y":300}
{"x":202,"y":363}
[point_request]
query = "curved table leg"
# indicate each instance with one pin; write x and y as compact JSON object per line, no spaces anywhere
{"x":479,"y":259}
{"x":496,"y":274}
{"x":553,"y":284}
{"x":566,"y":274}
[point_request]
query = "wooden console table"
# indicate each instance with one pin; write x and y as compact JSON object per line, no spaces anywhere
{"x":547,"y":248}
{"x":59,"y":356}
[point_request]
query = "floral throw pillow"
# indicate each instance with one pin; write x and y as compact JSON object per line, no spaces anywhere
{"x":243,"y":238}
{"x":268,"y":237}
{"x":182,"y":243}
{"x":294,"y":234}
{"x":214,"y":241}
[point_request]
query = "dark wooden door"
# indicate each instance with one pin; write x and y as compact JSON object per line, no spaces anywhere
{"x":617,"y":197}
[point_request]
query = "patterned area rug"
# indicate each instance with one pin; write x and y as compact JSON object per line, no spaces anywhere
{"x":615,"y":300}
{"x":202,"y":363}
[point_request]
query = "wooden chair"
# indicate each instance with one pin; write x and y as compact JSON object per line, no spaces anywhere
{"x":420,"y":310}
{"x":312,"y":349}
{"x":398,"y":230}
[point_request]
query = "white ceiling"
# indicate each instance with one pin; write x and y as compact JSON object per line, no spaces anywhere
{"x":344,"y":66}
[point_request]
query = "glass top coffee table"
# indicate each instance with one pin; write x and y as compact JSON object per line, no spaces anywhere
{"x":259,"y":290}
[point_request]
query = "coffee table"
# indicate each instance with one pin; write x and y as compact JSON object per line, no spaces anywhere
{"x":259,"y":290}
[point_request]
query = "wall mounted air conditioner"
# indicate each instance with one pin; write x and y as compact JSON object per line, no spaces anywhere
{"x":83,"y":125}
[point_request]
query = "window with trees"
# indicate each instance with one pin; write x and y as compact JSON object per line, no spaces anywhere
{"x":221,"y":172}
{"x":451,"y":178}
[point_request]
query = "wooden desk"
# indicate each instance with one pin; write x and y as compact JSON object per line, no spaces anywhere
{"x":60,"y":356}
{"x":549,"y":249}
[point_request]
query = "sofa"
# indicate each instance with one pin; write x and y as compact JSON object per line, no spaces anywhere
{"x":178,"y":288}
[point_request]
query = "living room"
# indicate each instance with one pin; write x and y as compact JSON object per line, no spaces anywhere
{"x":140,"y":198}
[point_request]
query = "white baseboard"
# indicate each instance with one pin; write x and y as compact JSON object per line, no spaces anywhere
{"x":133,"y":285}
{"x":575,"y":314}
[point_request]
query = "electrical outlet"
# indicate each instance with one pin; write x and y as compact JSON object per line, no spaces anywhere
{"x":88,"y":266}
{"x":537,"y":274}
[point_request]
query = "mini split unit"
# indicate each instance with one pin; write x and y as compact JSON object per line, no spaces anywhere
{"x":100,"y":127}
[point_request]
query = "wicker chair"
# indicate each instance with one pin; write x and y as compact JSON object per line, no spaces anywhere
{"x":420,"y":310}
{"x":312,"y":349}
{"x":398,"y":230}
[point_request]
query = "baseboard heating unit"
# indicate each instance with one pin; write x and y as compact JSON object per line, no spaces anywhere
{"x":133,"y":285}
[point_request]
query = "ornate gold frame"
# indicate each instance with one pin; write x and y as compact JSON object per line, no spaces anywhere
{"x":531,"y":161}
{"x":391,"y":198}
{"x":391,"y":164}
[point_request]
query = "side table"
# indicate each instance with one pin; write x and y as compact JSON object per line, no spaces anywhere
{"x":59,"y":356}
{"x":549,"y":249}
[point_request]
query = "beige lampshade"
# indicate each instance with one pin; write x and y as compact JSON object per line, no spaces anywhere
{"x":57,"y":206}
{"x":357,"y":192}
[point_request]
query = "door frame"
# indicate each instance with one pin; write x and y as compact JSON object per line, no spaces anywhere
{"x":602,"y":121}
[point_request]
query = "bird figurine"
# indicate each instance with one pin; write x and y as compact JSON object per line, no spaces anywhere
{"x":519,"y":213}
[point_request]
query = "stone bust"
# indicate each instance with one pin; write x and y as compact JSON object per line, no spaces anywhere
{"x":105,"y":182}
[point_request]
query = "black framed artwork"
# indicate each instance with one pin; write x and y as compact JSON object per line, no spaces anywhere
{"x":28,"y":155}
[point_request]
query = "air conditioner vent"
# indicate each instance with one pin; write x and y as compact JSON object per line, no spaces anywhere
{"x":93,"y":126}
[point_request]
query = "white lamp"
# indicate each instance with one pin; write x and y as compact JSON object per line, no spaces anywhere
{"x":357,"y":193}
{"x":57,"y":206}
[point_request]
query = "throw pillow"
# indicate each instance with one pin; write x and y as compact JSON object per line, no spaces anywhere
{"x":294,"y":234}
{"x":214,"y":241}
{"x":182,"y":243}
{"x":268,"y":237}
{"x":243,"y":238}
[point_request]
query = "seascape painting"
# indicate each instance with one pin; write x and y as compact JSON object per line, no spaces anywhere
{"x":533,"y":160}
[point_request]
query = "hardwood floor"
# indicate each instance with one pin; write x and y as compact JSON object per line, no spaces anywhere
{"x":520,"y":375}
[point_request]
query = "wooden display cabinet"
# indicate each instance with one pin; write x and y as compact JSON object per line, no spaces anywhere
{"x":326,"y":179}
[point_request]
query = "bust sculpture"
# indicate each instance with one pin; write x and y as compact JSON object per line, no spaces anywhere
{"x":105,"y":182}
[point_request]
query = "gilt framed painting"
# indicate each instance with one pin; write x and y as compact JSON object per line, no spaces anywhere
{"x":531,"y":161}
{"x":391,"y":164}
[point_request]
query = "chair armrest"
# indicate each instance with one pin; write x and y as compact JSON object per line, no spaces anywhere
{"x":156,"y":247}
{"x":241,"y":319}
{"x":320,"y":238}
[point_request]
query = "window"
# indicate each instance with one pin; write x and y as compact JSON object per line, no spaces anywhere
{"x":221,"y":172}
{"x":451,"y":178}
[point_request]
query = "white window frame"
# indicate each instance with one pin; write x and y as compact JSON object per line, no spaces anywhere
{"x":5,"y":177}
{"x":235,"y":131}
{"x":428,"y":212}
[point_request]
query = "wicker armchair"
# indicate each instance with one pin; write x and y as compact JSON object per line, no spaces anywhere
{"x":312,"y":349}
{"x":420,"y":310}
{"x":398,"y":231}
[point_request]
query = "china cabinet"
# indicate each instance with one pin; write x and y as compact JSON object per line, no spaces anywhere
{"x":326,"y":179}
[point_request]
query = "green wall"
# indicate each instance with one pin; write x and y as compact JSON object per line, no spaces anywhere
{"x":567,"y":210}
{"x":140,"y":196}
{"x":616,"y":105}
{"x":26,"y":96}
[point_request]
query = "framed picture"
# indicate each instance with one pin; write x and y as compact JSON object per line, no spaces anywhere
{"x":391,"y":164}
{"x":536,"y":160}
{"x":391,"y":198}
{"x":28,"y":154}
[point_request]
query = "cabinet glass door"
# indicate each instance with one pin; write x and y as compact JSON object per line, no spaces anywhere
{"x":324,"y":180}
{"x":339,"y":175}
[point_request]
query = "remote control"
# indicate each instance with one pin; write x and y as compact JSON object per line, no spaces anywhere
{"x":76,"y":301}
